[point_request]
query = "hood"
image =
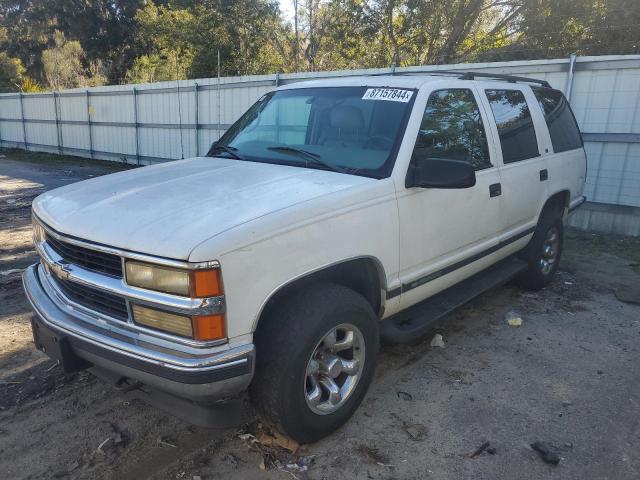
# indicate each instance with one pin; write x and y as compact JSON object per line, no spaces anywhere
{"x":168,"y":209}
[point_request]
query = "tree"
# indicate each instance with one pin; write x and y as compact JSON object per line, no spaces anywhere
{"x":119,"y":41}
{"x":169,"y":37}
{"x":64,"y":68}
{"x":11,"y":73}
{"x":183,"y":41}
{"x":330,"y":34}
{"x":556,"y":28}
{"x":63,"y":63}
{"x":11,"y":68}
{"x":104,"y":28}
{"x":244,"y":31}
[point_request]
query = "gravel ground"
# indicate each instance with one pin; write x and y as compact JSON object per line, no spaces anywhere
{"x":568,"y":376}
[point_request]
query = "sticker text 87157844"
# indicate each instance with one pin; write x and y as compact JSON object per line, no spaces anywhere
{"x":388,"y":94}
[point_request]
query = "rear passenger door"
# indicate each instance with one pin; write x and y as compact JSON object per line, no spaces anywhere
{"x":524,"y":169}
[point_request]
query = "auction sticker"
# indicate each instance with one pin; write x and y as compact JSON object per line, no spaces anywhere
{"x":388,"y":94}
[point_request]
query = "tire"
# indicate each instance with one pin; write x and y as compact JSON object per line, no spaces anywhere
{"x":291,"y":335}
{"x":543,"y":253}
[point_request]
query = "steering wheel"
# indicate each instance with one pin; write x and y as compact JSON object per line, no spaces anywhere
{"x":382,"y":143}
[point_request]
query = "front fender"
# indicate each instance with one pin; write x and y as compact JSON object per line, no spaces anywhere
{"x":288,"y":245}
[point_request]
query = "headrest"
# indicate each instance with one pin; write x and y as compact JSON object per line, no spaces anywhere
{"x":346,"y":116}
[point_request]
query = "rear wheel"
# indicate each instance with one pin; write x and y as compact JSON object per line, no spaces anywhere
{"x":316,"y":355}
{"x":543,"y":253}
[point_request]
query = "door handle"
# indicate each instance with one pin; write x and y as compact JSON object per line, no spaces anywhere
{"x":495,"y":189}
{"x":544,"y":175}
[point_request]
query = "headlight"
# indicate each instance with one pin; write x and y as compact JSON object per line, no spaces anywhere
{"x":168,"y":322}
{"x":187,"y":283}
{"x":204,"y":327}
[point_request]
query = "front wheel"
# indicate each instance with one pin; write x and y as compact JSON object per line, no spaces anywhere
{"x":543,"y":253}
{"x":316,"y":355}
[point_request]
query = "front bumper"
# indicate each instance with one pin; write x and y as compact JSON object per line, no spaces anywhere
{"x":206,"y":376}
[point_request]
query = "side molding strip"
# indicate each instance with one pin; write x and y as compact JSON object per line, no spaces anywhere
{"x":578,"y":205}
{"x":455,"y":266}
{"x":394,"y":293}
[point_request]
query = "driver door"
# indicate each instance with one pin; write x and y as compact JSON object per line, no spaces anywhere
{"x":445,"y":234}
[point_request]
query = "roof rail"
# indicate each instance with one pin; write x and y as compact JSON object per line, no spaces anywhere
{"x":469,"y":76}
{"x":501,"y":76}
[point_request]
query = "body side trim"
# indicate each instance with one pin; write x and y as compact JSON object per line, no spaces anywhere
{"x":460,"y":264}
{"x":577,"y":203}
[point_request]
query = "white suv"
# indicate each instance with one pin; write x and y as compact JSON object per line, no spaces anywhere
{"x":331,"y":215}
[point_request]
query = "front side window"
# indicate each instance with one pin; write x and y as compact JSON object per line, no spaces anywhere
{"x":352,"y":130}
{"x":515,"y":125}
{"x":563,"y":128}
{"x":452,"y":129}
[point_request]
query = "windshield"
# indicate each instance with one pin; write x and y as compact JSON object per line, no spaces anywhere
{"x":354,"y":130}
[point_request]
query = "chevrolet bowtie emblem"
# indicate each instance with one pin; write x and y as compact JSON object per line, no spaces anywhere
{"x":61,"y":270}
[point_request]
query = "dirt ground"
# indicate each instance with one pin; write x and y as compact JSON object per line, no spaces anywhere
{"x":568,"y":376}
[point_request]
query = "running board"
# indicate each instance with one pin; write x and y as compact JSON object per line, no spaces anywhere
{"x":416,"y":321}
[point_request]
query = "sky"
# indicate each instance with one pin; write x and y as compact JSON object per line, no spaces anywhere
{"x":286,"y":7}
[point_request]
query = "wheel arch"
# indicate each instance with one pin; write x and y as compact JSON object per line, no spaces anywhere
{"x":364,"y":274}
{"x":557,"y":202}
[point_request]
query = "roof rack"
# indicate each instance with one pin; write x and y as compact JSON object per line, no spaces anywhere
{"x":471,"y":76}
{"x":500,"y":76}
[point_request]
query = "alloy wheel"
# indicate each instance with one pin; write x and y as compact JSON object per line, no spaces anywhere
{"x":334,"y":369}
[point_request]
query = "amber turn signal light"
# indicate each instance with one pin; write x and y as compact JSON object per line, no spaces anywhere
{"x":205,"y":283}
{"x":209,"y":327}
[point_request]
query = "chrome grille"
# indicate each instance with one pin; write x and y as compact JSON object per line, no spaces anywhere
{"x":94,"y":299}
{"x":90,"y":259}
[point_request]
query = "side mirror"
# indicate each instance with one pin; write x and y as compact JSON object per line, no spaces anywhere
{"x":440,"y":173}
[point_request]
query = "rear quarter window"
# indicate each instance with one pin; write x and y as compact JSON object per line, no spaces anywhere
{"x":515,"y":125}
{"x":562,"y":125}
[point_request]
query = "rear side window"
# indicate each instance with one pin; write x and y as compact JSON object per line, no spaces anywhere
{"x":452,"y":129}
{"x":560,"y":120}
{"x":515,"y":126}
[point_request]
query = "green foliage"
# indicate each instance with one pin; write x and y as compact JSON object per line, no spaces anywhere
{"x":105,"y":29}
{"x":64,"y":65}
{"x":11,"y":69}
{"x":152,"y":40}
{"x":168,"y":64}
{"x":169,"y":37}
{"x":11,"y":72}
{"x":556,"y":28}
{"x":29,"y":85}
{"x":184,"y":41}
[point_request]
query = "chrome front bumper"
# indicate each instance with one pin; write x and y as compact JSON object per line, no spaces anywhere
{"x":202,"y":374}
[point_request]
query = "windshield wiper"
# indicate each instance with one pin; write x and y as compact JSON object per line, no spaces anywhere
{"x":226,"y":149}
{"x":314,"y":157}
